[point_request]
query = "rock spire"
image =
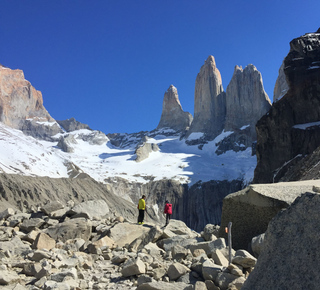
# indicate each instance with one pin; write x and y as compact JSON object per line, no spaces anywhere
{"x":172,"y":114}
{"x":209,"y":100}
{"x":246,"y":100}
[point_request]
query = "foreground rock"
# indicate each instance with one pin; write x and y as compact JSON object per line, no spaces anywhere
{"x":263,"y":201}
{"x":107,"y":252}
{"x":292,"y":236}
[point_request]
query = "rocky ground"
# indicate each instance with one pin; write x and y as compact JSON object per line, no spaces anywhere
{"x":86,"y":247}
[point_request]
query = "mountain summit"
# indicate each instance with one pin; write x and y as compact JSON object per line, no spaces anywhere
{"x":173,"y":116}
{"x":21,"y":105}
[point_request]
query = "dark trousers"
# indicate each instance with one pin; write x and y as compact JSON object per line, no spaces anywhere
{"x":168,"y":217}
{"x":141,"y":216}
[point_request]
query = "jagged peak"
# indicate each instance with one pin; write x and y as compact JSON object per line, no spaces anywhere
{"x":172,"y":88}
{"x":211,"y":61}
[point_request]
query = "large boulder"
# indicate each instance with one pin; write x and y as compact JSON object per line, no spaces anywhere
{"x":125,"y":233}
{"x":261,"y":201}
{"x":290,"y":256}
{"x":71,"y":229}
{"x":92,"y":208}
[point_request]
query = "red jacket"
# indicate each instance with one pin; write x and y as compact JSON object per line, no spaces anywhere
{"x":168,"y":208}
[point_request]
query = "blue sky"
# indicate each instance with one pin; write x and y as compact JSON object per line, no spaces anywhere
{"x":109,"y":63}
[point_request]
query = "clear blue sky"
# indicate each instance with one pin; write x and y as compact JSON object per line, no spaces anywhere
{"x":109,"y":63}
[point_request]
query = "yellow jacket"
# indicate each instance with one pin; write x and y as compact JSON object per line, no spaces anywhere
{"x":142,"y":204}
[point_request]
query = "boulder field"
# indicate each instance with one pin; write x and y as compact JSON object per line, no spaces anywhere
{"x":86,"y":246}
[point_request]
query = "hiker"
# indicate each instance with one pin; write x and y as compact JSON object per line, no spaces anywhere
{"x":168,"y":211}
{"x":142,"y":208}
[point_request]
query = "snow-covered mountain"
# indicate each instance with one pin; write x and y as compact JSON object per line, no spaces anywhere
{"x":93,"y":154}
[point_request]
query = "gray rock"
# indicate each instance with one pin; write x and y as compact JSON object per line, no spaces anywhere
{"x":72,"y":125}
{"x":209,"y":247}
{"x":38,"y":255}
{"x":183,"y":241}
{"x":133,"y":267}
{"x":224,"y":279}
{"x":144,"y":149}
{"x":65,"y":143}
{"x":257,"y":244}
{"x":210,"y":232}
{"x":178,"y":227}
{"x":244,"y":259}
{"x":93,"y":208}
{"x":51,"y":207}
{"x":59,"y":277}
{"x":160,"y":285}
{"x":7,"y":213}
{"x":263,"y":201}
{"x":125,"y":233}
{"x":219,"y":258}
{"x":15,"y":246}
{"x":8,"y":277}
{"x":210,"y":270}
{"x":30,"y":224}
{"x":291,"y":236}
{"x":71,"y":229}
{"x":179,"y":252}
{"x":176,"y":270}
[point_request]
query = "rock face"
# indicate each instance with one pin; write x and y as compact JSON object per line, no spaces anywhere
{"x":246,"y":100}
{"x":173,"y":116}
{"x":291,"y":127}
{"x":293,"y":235}
{"x":209,"y":100}
{"x":281,"y":87}
{"x":21,"y":105}
{"x":251,"y":209}
{"x":72,"y":124}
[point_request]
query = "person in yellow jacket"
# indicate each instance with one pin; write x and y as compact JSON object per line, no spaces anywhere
{"x":142,"y":208}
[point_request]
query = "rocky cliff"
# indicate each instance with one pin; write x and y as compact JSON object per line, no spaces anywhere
{"x":21,"y":105}
{"x":173,"y":116}
{"x":291,"y":129}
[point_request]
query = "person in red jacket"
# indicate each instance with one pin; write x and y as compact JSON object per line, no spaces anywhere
{"x":168,"y":212}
